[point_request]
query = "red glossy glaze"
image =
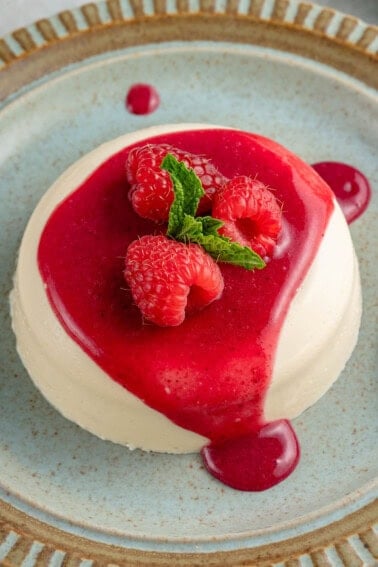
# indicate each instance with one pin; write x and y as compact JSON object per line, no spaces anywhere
{"x":350,"y":186}
{"x":209,"y":375}
{"x":142,"y":99}
{"x":256,"y":461}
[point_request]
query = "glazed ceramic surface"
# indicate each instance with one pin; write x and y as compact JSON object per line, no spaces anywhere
{"x":53,"y":472}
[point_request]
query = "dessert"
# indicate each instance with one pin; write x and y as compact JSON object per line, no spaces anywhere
{"x":233,"y":372}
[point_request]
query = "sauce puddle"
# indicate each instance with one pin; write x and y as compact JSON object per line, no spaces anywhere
{"x":142,"y":99}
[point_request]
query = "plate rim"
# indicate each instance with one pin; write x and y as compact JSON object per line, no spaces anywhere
{"x":320,"y":33}
{"x":30,"y":531}
{"x":50,"y":44}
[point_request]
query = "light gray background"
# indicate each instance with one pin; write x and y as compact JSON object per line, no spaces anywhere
{"x":17,"y":13}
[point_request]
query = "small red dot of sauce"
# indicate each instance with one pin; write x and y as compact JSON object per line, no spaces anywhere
{"x":142,"y":99}
{"x":256,"y":461}
{"x":350,"y":186}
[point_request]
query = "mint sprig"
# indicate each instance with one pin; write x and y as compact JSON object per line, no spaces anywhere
{"x":185,"y":226}
{"x":188,"y":192}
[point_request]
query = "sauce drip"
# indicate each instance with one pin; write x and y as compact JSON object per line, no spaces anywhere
{"x":256,"y":461}
{"x":142,"y":99}
{"x":350,"y":186}
{"x":209,"y":375}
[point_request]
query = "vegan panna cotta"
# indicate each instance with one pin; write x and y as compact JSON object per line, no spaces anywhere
{"x":263,"y":352}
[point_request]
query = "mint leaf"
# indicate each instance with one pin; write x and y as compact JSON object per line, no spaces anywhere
{"x":176,"y":212}
{"x":210,"y":225}
{"x":190,"y":230}
{"x":225,"y":250}
{"x":186,"y":186}
{"x":222,"y":249}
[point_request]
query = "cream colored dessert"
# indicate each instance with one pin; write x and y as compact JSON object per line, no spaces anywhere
{"x":317,"y":338}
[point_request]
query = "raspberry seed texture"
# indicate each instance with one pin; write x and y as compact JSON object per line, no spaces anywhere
{"x":151,"y":191}
{"x":250,"y":213}
{"x":167,"y":278}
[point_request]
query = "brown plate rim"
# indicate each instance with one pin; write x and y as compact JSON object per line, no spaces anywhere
{"x":28,"y":54}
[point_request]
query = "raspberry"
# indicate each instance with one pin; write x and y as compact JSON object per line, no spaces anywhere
{"x":151,"y":190}
{"x":250,"y":213}
{"x":167,"y":277}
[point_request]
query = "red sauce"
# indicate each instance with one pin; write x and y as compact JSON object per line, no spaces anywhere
{"x":256,"y":461}
{"x":209,"y":375}
{"x":350,"y":186}
{"x":142,"y":99}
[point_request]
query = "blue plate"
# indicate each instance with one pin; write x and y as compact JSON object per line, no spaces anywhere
{"x":63,"y":96}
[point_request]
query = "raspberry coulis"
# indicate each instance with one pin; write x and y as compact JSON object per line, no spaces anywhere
{"x":142,"y":98}
{"x":350,"y":186}
{"x":210,"y":374}
{"x":262,"y":459}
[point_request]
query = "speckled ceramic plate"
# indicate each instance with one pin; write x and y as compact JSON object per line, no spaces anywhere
{"x":303,"y":75}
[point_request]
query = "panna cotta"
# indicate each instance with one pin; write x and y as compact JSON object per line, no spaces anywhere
{"x":266,"y":350}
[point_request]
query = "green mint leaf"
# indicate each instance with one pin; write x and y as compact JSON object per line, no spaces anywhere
{"x":190,"y":230}
{"x":210,"y":225}
{"x":186,"y":186}
{"x":176,"y":212}
{"x":220,"y":248}
{"x":224,"y":250}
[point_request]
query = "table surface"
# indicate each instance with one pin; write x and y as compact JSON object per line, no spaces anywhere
{"x":17,"y":13}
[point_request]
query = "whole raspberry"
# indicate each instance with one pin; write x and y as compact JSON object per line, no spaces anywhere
{"x":151,"y":190}
{"x":167,"y":277}
{"x":250,"y":213}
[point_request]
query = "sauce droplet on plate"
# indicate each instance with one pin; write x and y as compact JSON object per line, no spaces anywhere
{"x":142,"y":99}
{"x":256,"y":461}
{"x":350,"y":186}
